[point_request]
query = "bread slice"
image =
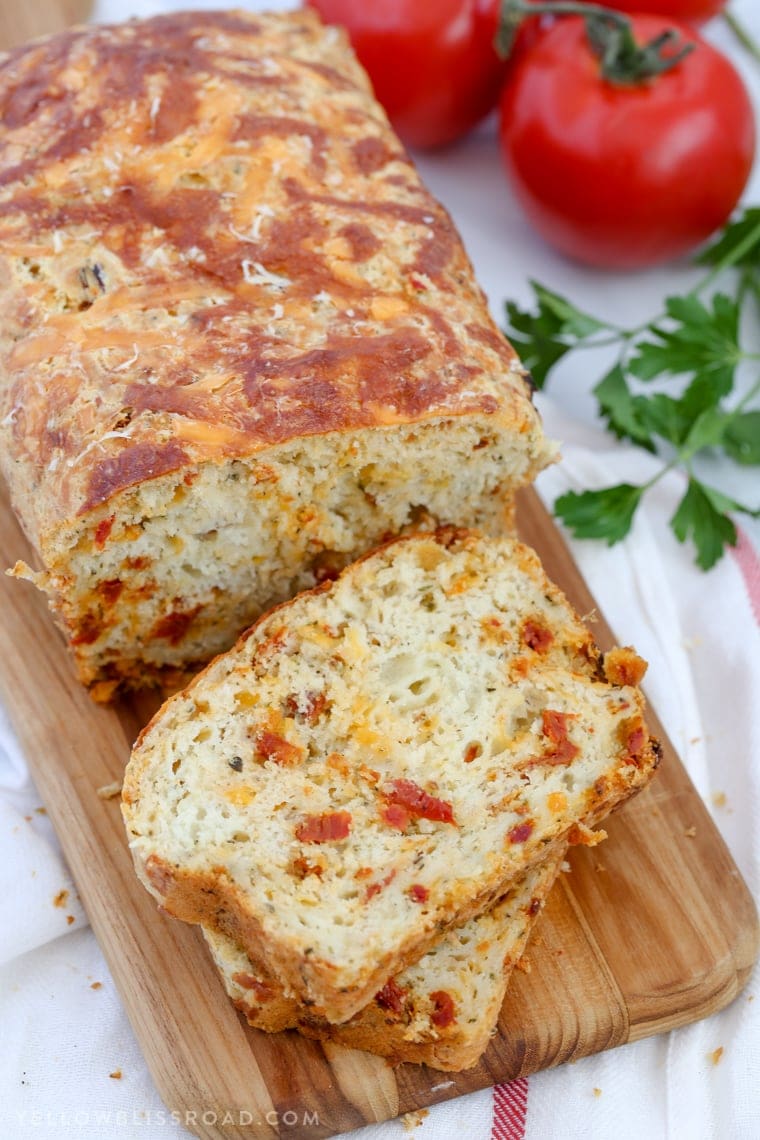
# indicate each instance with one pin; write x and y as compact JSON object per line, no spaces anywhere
{"x":440,"y":1012}
{"x":377,"y":759}
{"x":240,"y":342}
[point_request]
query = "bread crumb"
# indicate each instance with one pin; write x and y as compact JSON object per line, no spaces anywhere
{"x":597,"y":1092}
{"x":110,"y":791}
{"x":70,"y":919}
{"x":96,"y":985}
{"x":523,"y":965}
{"x":690,"y":832}
{"x":719,"y":799}
{"x":582,"y":836}
{"x":716,"y":1055}
{"x":750,"y":997}
{"x":116,"y":1075}
{"x":61,"y":898}
{"x":599,"y":867}
{"x":412,"y":1120}
{"x":41,"y":810}
{"x":565,"y":867}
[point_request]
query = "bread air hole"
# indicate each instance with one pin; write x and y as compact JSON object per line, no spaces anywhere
{"x":406,"y":685}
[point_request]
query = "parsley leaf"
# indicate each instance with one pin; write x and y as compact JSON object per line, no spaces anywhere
{"x":542,"y":338}
{"x":693,"y":348}
{"x":741,"y":439}
{"x":699,"y":341}
{"x":666,"y":416}
{"x":699,"y":516}
{"x":607,"y":513}
{"x":622,"y":410}
{"x":739,"y":242}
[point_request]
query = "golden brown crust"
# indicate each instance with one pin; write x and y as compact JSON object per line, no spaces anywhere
{"x":401,"y":1022}
{"x":203,"y":262}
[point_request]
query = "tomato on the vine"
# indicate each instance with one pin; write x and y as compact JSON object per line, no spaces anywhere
{"x":689,"y":11}
{"x":624,"y":175}
{"x":432,"y":62}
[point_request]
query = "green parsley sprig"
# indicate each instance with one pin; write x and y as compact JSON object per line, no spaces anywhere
{"x":671,"y":390}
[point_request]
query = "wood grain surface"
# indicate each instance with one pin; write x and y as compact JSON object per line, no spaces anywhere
{"x":650,"y":931}
{"x":22,"y":20}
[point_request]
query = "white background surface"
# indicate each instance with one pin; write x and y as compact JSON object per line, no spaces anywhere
{"x":61,"y":1038}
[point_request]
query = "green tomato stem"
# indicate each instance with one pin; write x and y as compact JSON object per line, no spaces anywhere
{"x":514,"y":12}
{"x":622,"y":60}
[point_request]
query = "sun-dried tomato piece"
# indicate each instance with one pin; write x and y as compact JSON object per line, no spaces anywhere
{"x":309,"y":706}
{"x":521,"y":831}
{"x":380,"y":885}
{"x":395,"y":816}
{"x":272,"y":746}
{"x":554,"y":727}
{"x":634,"y":740}
{"x":103,"y":530}
{"x":325,"y":827}
{"x":110,"y":589}
{"x":444,"y":1012}
{"x":417,"y":893}
{"x":536,"y":636}
{"x":418,"y":802}
{"x":391,"y":997}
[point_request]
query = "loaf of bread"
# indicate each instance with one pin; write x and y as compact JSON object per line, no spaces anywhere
{"x":441,"y":1011}
{"x":240,"y":343}
{"x":377,"y":759}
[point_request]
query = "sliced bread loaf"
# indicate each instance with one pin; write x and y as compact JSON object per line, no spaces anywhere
{"x":441,"y":1011}
{"x":240,"y":342}
{"x":379,"y":758}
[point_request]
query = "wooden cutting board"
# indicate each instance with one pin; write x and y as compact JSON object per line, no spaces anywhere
{"x":22,"y":20}
{"x":650,"y":931}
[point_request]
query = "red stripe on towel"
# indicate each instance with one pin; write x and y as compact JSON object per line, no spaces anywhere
{"x":510,"y":1109}
{"x":747,"y":560}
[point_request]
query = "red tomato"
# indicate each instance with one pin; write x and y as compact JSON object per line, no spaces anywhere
{"x":432,"y":62}
{"x":625,"y":176}
{"x":690,"y":11}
